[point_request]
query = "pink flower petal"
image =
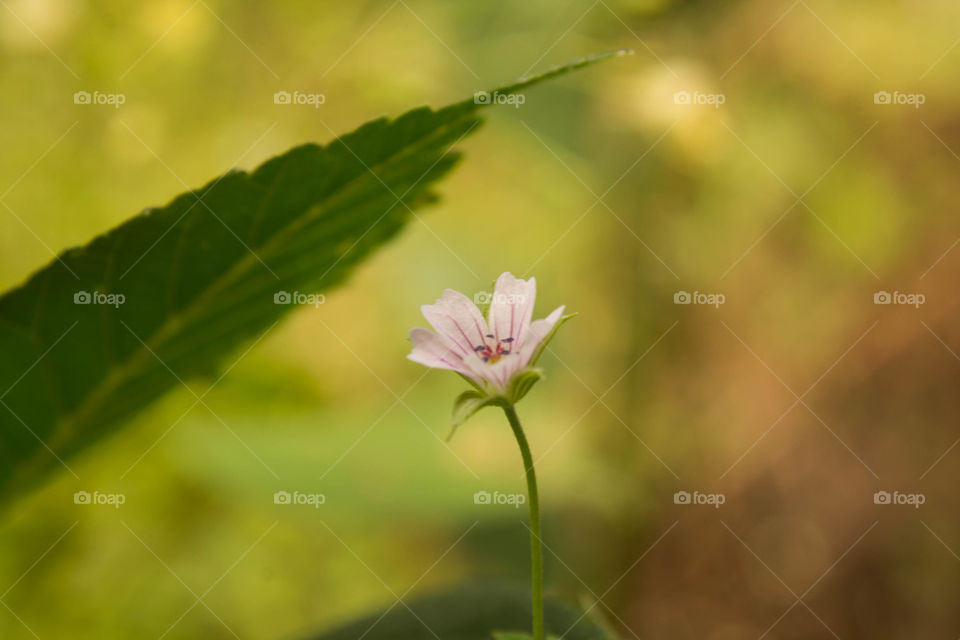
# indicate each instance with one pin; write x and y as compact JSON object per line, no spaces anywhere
{"x":512,"y":307}
{"x":461,"y":330}
{"x":455,"y":317}
{"x":538,"y":331}
{"x":433,"y":351}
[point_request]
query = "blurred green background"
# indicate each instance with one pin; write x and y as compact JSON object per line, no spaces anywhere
{"x":797,"y":198}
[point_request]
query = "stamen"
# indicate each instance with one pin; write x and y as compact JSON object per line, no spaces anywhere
{"x":492,"y":354}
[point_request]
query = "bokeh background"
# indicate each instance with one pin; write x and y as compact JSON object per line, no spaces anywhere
{"x":798,"y":199}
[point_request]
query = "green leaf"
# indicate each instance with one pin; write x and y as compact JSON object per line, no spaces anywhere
{"x":474,"y":612}
{"x":522,"y":383}
{"x":546,"y":339}
{"x":108,"y":327}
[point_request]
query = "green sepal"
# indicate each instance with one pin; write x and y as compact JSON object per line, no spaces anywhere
{"x":468,"y":403}
{"x":547,"y":338}
{"x":471,"y":382}
{"x":522,"y":383}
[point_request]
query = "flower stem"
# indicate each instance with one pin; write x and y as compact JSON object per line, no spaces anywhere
{"x":536,"y":545}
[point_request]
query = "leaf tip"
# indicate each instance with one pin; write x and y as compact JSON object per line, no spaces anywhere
{"x":559,"y":70}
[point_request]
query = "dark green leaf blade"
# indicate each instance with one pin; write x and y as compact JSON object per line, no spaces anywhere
{"x":199,"y":277}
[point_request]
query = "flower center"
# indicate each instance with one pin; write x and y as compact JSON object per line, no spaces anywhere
{"x":493,"y":354}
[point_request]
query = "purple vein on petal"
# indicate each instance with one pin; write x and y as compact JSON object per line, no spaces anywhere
{"x":462,"y":333}
{"x":479,"y":331}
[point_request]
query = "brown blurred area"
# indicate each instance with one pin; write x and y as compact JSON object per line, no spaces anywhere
{"x":804,"y":406}
{"x":798,"y":199}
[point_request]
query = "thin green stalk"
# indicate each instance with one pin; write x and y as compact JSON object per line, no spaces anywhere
{"x":536,"y":546}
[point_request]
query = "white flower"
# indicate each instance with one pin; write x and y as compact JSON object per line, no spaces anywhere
{"x":493,"y":353}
